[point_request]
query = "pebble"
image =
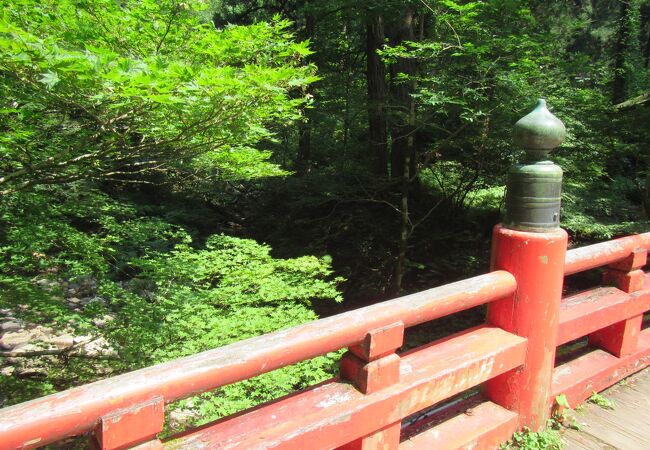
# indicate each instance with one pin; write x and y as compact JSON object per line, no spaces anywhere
{"x":13,"y":339}
{"x":10,"y":326}
{"x":89,"y":300}
{"x":20,"y":337}
{"x":101,"y":322}
{"x":81,"y":339}
{"x":98,"y":347}
{"x":63,"y":341}
{"x":7,"y":371}
{"x":31,"y":372}
{"x":26,"y":348}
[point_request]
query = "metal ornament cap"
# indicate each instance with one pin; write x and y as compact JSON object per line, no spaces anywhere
{"x":533,"y":197}
{"x":539,"y":129}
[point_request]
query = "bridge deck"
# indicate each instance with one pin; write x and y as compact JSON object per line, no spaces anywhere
{"x":626,"y":427}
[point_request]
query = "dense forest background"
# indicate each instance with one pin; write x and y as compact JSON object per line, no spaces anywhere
{"x":175,"y":176}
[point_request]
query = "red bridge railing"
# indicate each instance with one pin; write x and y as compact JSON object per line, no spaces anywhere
{"x":512,"y":356}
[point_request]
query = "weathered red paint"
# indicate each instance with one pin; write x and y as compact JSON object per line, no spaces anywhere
{"x":484,"y":426}
{"x":439,"y":413}
{"x":380,"y":342}
{"x":621,"y":338}
{"x":128,"y":427}
{"x":385,"y":439}
{"x":635,"y":260}
{"x":77,"y":410}
{"x":595,"y":309}
{"x":337,"y":413}
{"x":604,"y":253}
{"x":625,"y":281}
{"x":371,"y":376}
{"x":151,"y":445}
{"x":597,"y":370}
{"x":537,"y":262}
{"x":371,"y":366}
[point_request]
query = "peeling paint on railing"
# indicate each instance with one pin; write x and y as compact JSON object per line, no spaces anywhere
{"x":597,"y":255}
{"x":77,"y":410}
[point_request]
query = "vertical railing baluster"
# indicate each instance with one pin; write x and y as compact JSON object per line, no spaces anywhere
{"x":372,"y":366}
{"x":621,"y":339}
{"x":135,"y":427}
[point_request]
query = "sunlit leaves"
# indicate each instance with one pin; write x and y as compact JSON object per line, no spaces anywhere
{"x":143,"y":84}
{"x":50,"y":79}
{"x":167,"y":295}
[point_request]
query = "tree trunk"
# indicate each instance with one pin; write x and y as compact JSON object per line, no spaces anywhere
{"x":646,"y":52}
{"x":402,"y":102}
{"x":645,"y":33}
{"x":347,"y":90}
{"x":628,"y":58}
{"x":376,"y":80}
{"x":404,"y":232}
{"x":303,"y":164}
{"x":618,"y":86}
{"x":646,"y":198}
{"x":403,"y":139}
{"x":303,"y":160}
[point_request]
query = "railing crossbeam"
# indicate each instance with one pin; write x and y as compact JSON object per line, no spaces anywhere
{"x":580,"y":378}
{"x":595,"y":309}
{"x":484,"y":426}
{"x":337,"y":413}
{"x":76,"y":411}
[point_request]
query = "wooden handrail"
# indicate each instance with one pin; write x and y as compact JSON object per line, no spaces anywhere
{"x":76,"y":411}
{"x":435,"y":372}
{"x":520,"y":311}
{"x":603,"y":253}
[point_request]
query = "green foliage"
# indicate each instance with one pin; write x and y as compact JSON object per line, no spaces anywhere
{"x":112,"y":90}
{"x":487,"y":198}
{"x":540,"y":440}
{"x":206,"y":298}
{"x":564,"y":414}
{"x":137,"y":137}
{"x":52,"y":236}
{"x":236,"y":397}
{"x":600,"y":400}
{"x":550,"y":437}
{"x":631,"y":69}
{"x":546,"y":439}
{"x":608,"y":213}
{"x":144,"y":92}
{"x":76,"y":230}
{"x":562,"y":401}
{"x":175,"y":300}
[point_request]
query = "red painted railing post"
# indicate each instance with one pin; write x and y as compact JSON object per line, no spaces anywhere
{"x":537,"y":262}
{"x":532,"y":247}
{"x":371,"y":366}
{"x":621,"y":339}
